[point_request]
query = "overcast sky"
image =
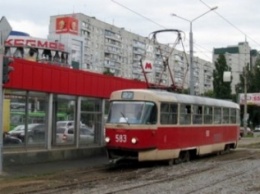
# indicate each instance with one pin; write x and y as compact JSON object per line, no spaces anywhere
{"x":231,"y":23}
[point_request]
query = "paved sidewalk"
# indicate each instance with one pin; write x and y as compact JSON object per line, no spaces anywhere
{"x":51,"y":167}
{"x":248,"y":140}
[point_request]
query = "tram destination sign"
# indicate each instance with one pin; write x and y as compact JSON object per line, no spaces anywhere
{"x":127,"y":95}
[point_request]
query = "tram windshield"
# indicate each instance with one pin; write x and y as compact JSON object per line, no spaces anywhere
{"x":132,"y":112}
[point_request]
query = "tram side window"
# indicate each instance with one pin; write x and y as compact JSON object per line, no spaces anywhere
{"x":173,"y":114}
{"x":217,"y":115}
{"x":238,"y":115}
{"x":233,"y":115}
{"x":169,"y":113}
{"x":185,"y":114}
{"x":164,"y":117}
{"x":208,"y":114}
{"x":197,"y":115}
{"x":225,"y":118}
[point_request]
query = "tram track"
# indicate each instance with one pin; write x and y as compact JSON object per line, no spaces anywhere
{"x":228,"y":177}
{"x":97,"y":180}
{"x":90,"y":178}
{"x":42,"y":183}
{"x":163,"y":179}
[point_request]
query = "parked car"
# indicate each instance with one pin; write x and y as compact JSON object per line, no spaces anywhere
{"x":257,"y":128}
{"x":66,"y":135}
{"x":68,"y":124}
{"x":35,"y":133}
{"x":242,"y":131}
{"x":17,"y":130}
{"x":10,"y":140}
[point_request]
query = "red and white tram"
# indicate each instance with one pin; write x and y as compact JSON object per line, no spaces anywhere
{"x":150,"y":125}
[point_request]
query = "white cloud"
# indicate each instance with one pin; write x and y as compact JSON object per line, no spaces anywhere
{"x":210,"y":31}
{"x":29,"y":27}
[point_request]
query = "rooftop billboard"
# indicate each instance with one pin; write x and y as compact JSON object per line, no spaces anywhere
{"x":67,"y":25}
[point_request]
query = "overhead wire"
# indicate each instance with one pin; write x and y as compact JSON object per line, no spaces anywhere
{"x":195,"y":44}
{"x":138,"y":14}
{"x":152,"y":21}
{"x":231,"y":23}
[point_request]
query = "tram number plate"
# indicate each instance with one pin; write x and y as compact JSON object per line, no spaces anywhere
{"x":120,"y":138}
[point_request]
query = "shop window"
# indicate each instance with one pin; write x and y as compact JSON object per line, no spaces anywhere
{"x":91,"y":117}
{"x":64,"y":116}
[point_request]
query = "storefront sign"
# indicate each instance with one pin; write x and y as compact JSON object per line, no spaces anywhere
{"x":252,"y":99}
{"x":23,"y":41}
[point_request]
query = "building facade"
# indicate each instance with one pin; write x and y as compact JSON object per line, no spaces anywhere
{"x":101,"y":47}
{"x":237,"y":58}
{"x":44,"y":91}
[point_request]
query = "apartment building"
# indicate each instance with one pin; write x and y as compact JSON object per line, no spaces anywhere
{"x":237,"y":57}
{"x":100,"y":47}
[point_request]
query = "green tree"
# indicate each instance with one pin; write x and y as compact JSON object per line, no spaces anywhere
{"x":209,"y":93}
{"x":222,"y":90}
{"x":252,"y":75}
{"x":108,"y":72}
{"x":184,"y":91}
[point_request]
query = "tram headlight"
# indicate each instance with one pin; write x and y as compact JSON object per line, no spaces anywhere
{"x":107,"y":139}
{"x":134,"y":140}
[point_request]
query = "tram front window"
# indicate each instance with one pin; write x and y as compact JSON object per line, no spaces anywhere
{"x":132,"y":112}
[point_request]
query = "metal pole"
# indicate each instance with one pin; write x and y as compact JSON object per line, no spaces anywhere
{"x":49,"y":135}
{"x":191,"y":62}
{"x":245,"y":101}
{"x":1,"y":109}
{"x":245,"y":90}
{"x":191,"y":46}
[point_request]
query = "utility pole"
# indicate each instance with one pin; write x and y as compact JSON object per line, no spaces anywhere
{"x":245,"y":90}
{"x":191,"y":61}
{"x":191,"y":46}
{"x":1,"y":109}
{"x":245,"y":101}
{"x":227,"y":78}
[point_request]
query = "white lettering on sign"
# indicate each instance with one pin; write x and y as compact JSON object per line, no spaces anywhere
{"x":147,"y":66}
{"x":14,"y":41}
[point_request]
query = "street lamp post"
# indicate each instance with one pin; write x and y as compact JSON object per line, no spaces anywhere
{"x":245,"y":101}
{"x":227,"y":78}
{"x":191,"y":46}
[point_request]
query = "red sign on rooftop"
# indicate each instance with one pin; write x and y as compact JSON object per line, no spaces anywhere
{"x":27,"y":41}
{"x":67,"y":25}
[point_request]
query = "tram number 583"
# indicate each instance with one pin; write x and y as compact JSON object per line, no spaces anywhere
{"x":120,"y":138}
